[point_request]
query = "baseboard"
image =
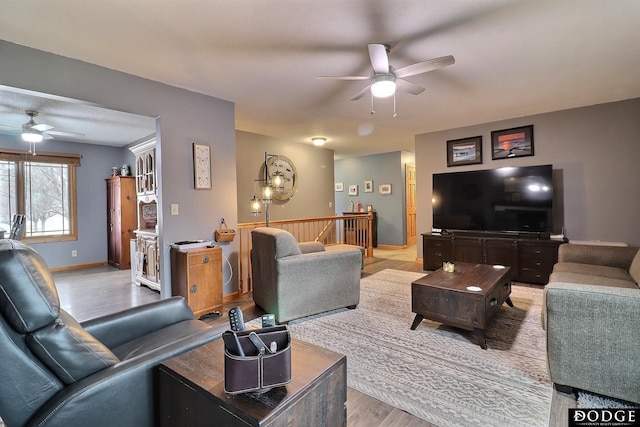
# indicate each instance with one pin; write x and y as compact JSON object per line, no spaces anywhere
{"x":392,"y":247}
{"x":230,"y":297}
{"x":78,"y":266}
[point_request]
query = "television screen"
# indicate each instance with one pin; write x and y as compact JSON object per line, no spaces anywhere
{"x":504,"y":199}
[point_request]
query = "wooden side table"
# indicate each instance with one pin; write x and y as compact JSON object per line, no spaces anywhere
{"x":191,"y":391}
{"x":196,"y":275}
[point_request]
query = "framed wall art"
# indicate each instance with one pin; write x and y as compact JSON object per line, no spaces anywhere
{"x":384,"y":189}
{"x":201,"y":166}
{"x":514,"y":142}
{"x":465,"y":151}
{"x":368,"y":186}
{"x":339,"y":186}
{"x":353,"y":190}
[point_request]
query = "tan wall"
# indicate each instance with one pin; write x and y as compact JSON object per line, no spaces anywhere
{"x":315,"y":177}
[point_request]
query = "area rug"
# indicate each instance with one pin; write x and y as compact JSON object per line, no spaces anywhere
{"x":435,"y":372}
{"x":592,"y":400}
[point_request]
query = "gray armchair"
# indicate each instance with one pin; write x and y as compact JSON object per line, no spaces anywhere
{"x":294,"y":280}
{"x":100,"y":373}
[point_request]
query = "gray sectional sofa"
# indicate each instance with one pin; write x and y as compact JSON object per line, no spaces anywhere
{"x":591,"y":313}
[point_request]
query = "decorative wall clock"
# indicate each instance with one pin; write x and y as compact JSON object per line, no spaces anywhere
{"x":201,"y":166}
{"x":287,"y":168}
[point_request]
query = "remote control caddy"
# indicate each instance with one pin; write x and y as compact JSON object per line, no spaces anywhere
{"x":255,"y":360}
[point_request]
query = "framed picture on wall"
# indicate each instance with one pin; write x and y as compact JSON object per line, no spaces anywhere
{"x":201,"y":166}
{"x":514,"y":142}
{"x":339,"y":186}
{"x":465,"y":151}
{"x":368,"y":186}
{"x":353,"y":190}
{"x":384,"y":189}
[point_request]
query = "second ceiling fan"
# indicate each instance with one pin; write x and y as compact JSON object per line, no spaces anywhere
{"x":384,"y":79}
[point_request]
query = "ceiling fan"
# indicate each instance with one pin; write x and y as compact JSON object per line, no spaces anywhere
{"x":384,"y":79}
{"x":33,"y":132}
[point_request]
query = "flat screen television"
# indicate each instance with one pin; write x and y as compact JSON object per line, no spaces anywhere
{"x":510,"y":199}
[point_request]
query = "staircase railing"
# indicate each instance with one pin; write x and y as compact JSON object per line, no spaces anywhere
{"x":330,"y":230}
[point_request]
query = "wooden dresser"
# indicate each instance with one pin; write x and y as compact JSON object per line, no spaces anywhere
{"x":121,"y":220}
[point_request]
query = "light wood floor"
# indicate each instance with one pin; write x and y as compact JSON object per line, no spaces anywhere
{"x":97,"y":291}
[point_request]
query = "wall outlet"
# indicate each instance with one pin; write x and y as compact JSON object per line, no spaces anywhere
{"x":74,"y":253}
{"x":174,"y":209}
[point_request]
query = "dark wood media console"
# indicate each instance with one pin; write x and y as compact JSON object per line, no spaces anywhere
{"x":530,"y":256}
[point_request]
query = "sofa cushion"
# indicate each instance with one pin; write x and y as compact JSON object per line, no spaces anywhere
{"x":592,"y":270}
{"x":587,"y":279}
{"x":634,"y":270}
{"x":282,"y":242}
{"x":28,"y":295}
{"x":68,"y":350}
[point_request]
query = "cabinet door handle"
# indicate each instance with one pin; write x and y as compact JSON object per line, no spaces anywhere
{"x":205,"y":258}
{"x":493,"y":302}
{"x":194,"y":288}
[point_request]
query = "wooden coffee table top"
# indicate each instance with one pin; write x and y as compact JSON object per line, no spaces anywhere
{"x":466,"y":274}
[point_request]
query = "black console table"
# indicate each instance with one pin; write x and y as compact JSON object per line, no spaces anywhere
{"x":531,"y":259}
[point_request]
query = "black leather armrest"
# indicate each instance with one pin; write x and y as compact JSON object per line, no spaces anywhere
{"x":121,"y":395}
{"x":124,"y":326}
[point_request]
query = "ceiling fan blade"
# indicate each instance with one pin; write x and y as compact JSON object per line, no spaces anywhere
{"x":379,"y":58}
{"x":46,"y":136}
{"x":41,"y":127}
{"x":407,"y":86}
{"x":424,"y":66}
{"x":343,"y":77}
{"x":360,"y":94}
{"x":64,"y":133}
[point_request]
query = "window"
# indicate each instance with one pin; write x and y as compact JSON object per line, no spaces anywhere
{"x":43,"y":188}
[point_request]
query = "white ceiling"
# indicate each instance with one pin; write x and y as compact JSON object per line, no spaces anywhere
{"x":96,"y":125}
{"x":513,"y":58}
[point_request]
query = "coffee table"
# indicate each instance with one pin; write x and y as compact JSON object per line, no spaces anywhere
{"x":468,"y":298}
{"x":191,"y":391}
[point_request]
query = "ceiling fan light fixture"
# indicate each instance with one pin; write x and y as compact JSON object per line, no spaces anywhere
{"x":31,"y":135}
{"x":383,"y":85}
{"x":318,"y":141}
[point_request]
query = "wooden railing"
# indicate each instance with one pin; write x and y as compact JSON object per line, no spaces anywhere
{"x":330,"y":230}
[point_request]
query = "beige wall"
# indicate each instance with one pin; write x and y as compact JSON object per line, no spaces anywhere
{"x":315,"y":177}
{"x":595,"y":153}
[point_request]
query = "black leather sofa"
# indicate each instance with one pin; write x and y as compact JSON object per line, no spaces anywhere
{"x":102,"y":372}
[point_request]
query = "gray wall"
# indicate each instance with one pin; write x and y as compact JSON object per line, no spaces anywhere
{"x":387,"y":168}
{"x":594,"y":152}
{"x":314,"y":195}
{"x":183,"y":117}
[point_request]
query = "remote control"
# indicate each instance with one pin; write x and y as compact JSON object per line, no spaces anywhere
{"x":259,"y":344}
{"x":268,"y":320}
{"x":232,"y":343}
{"x":236,"y":321}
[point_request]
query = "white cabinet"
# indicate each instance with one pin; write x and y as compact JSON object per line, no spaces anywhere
{"x":147,"y":251}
